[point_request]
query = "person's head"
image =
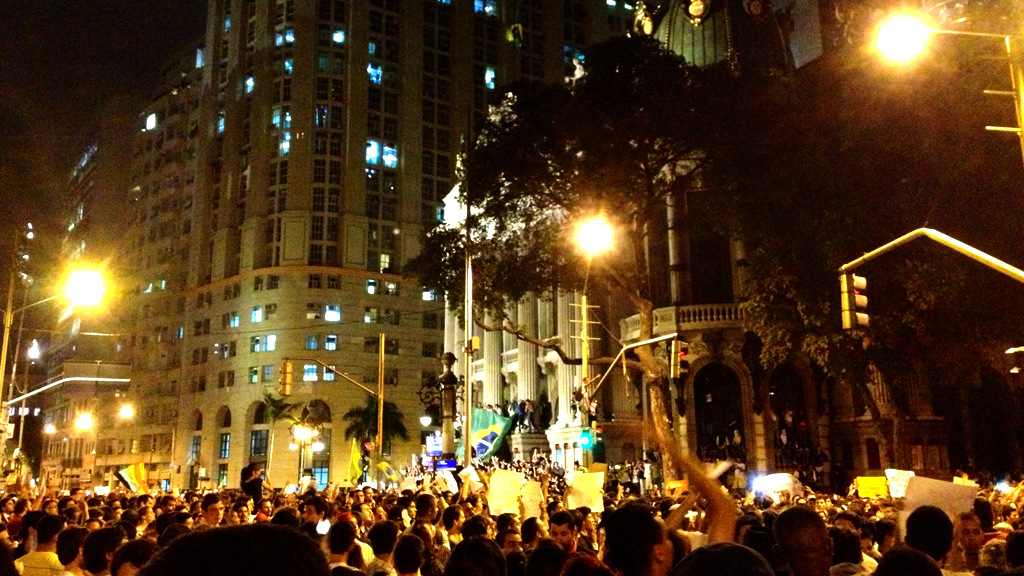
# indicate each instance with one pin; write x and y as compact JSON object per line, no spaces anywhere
{"x":986,"y":516}
{"x":969,"y":535}
{"x":930,"y":531}
{"x":636,"y":543}
{"x":382,"y":537}
{"x":213,"y":509}
{"x":475,"y":525}
{"x":131,"y":557}
{"x":426,"y":508}
{"x":802,"y":540}
{"x":69,"y":544}
{"x":452,"y":518}
{"x":167,"y":503}
{"x":907,"y":562}
{"x":315,"y":510}
{"x":510,"y":541}
{"x":21,"y":506}
{"x":993,"y":553}
{"x":266,"y":507}
{"x":47,"y":530}
{"x":409,"y":555}
{"x":562,"y":527}
{"x":287,"y":516}
{"x":845,"y":545}
{"x":847,"y":520}
{"x":146,"y":515}
{"x":170,"y":533}
{"x":50,"y":506}
{"x":530,"y":532}
{"x":341,"y":537}
{"x":1015,"y":549}
{"x":723,"y":559}
{"x":885,"y":534}
{"x":99,"y":547}
{"x":547,"y":559}
{"x":476,"y":556}
{"x":29,"y":523}
{"x":584,"y":565}
{"x":244,"y":550}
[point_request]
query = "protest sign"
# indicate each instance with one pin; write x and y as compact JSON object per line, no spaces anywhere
{"x":585,"y":490}
{"x":871,"y":486}
{"x":898,"y":481}
{"x":503,"y":496}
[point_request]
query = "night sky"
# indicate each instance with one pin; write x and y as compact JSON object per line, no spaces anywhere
{"x":64,"y":64}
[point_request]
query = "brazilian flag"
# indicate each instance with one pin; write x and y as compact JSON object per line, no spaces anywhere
{"x":489,"y":431}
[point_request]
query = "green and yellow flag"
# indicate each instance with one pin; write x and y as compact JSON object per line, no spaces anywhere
{"x":489,"y":431}
{"x":355,"y":465}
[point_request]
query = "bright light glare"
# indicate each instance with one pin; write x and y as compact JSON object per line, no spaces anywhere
{"x":595,"y":236}
{"x":317,"y":446}
{"x":1003,"y":487}
{"x":33,"y":350}
{"x":84,"y":422}
{"x":50,"y":429}
{"x":425,"y":420}
{"x":302,"y":433}
{"x":293,"y":446}
{"x":85,"y":288}
{"x":902,"y":38}
{"x":126,"y":411}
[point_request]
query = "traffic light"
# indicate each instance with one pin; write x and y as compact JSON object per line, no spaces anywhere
{"x":678,"y":355}
{"x":586,"y":438}
{"x":286,"y":378}
{"x":855,"y":300}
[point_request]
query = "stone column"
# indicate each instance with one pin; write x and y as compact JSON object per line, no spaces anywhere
{"x":492,"y":364}
{"x":566,"y":374}
{"x":527,"y":373}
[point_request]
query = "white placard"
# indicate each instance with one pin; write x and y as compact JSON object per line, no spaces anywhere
{"x":898,"y":481}
{"x":584,"y":489}
{"x":533,"y":499}
{"x":503,"y":496}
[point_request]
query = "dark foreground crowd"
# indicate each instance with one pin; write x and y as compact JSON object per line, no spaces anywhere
{"x":431,"y":531}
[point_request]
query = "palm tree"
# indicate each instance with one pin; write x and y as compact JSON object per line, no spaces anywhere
{"x":277,"y":409}
{"x":362,"y":422}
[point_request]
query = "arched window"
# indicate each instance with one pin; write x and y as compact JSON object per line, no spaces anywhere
{"x":199,"y":421}
{"x":260,"y":416}
{"x":226,"y":420}
{"x":873,"y":453}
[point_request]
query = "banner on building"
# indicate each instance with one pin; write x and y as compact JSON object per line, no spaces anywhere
{"x":134,"y":477}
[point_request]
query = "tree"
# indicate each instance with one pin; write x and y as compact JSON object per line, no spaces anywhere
{"x":277,"y":408}
{"x":362,"y":422}
{"x":637,"y":129}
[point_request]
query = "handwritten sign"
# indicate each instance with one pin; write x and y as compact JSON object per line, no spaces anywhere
{"x":871,"y":486}
{"x":471,"y":476}
{"x":775,"y":485}
{"x":584,"y":489}
{"x":951,"y":498}
{"x":503,"y":496}
{"x":533,"y":499}
{"x":898,"y":481}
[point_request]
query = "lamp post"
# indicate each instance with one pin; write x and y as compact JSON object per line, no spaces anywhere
{"x":84,"y":288}
{"x":594,"y":237}
{"x":904,"y":37}
{"x":305,"y":437}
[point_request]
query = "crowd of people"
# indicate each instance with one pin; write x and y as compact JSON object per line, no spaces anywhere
{"x":431,"y":530}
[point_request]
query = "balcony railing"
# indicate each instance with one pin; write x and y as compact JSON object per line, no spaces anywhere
{"x":698,"y":317}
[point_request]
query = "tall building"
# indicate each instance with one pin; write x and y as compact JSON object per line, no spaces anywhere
{"x":279,"y":187}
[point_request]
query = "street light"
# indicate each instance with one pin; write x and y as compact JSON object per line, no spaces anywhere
{"x":84,"y":288}
{"x":126,"y":412}
{"x":904,"y":37}
{"x":594,"y":236}
{"x":50,"y":429}
{"x":83,"y":422}
{"x":33,"y":351}
{"x":425,"y":420}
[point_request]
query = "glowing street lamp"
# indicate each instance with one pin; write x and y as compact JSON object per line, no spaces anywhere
{"x":902,"y":38}
{"x":302,"y":433}
{"x":50,"y":429}
{"x":126,"y":412}
{"x":84,"y":422}
{"x":594,"y":236}
{"x":33,"y":351}
{"x":85,"y":288}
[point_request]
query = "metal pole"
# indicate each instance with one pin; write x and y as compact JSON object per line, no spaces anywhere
{"x":8,"y":320}
{"x":14,"y":371}
{"x":644,"y":401}
{"x":380,"y":413}
{"x":467,"y":425}
{"x":1017,"y":81}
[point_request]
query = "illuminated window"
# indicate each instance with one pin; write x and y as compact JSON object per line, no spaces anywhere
{"x":370,"y":315}
{"x":234,"y":320}
{"x":310,"y":372}
{"x":254,"y":344}
{"x":199,"y":58}
{"x":489,"y":7}
{"x":288,"y":66}
{"x":332,"y":313}
{"x":489,"y":78}
{"x":289,"y":36}
{"x":371,"y":286}
{"x":275,"y":116}
{"x":372,"y":152}
{"x":257,"y":314}
{"x":312,"y":342}
{"x":328,"y":375}
{"x":286,"y":143}
{"x":271,"y":343}
{"x":429,"y":295}
{"x":249,"y":84}
{"x":339,"y":36}
{"x":375,"y":72}
{"x":390,"y":156}
{"x":225,"y":445}
{"x":151,"y":122}
{"x":331,"y":342}
{"x":220,"y":122}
